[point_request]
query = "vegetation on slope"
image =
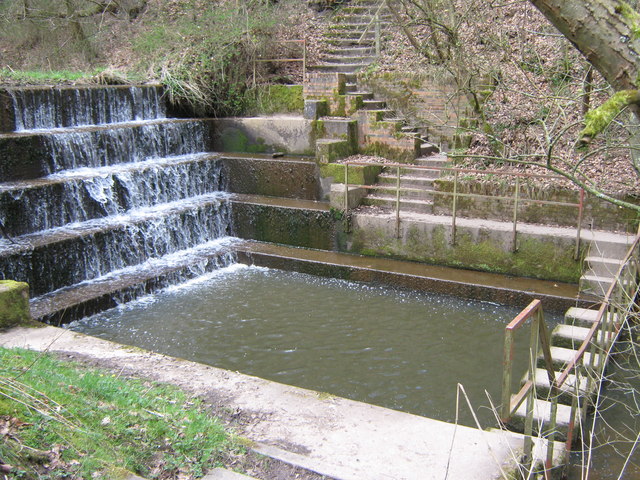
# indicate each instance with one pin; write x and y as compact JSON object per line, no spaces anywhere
{"x":61,"y":420}
{"x":202,"y":51}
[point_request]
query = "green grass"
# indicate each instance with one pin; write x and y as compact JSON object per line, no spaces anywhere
{"x":40,"y":77}
{"x":68,"y":421}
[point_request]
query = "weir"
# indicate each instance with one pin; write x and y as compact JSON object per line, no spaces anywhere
{"x":107,"y":187}
{"x":114,"y":201}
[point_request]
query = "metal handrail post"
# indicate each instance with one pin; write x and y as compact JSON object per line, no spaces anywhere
{"x":576,"y":254}
{"x":377,"y":33}
{"x":304,"y":60}
{"x":507,"y":362}
{"x":454,"y":208}
{"x":346,"y":189}
{"x":397,"y":202}
{"x":515,"y":216}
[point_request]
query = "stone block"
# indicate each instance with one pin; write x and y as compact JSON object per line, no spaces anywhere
{"x":314,"y":109}
{"x":354,"y":196}
{"x":14,"y":304}
{"x":329,"y":150}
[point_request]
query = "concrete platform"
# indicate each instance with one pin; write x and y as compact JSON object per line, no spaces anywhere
{"x":332,"y":436}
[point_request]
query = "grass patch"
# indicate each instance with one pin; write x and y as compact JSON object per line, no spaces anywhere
{"x":60,"y":419}
{"x":34,"y":77}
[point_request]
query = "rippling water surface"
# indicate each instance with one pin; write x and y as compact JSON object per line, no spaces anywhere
{"x":395,"y":348}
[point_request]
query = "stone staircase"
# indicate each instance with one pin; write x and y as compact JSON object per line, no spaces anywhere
{"x":350,"y":46}
{"x":417,"y":185}
{"x":601,"y":264}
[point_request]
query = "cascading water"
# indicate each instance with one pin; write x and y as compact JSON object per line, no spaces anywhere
{"x":128,"y":194}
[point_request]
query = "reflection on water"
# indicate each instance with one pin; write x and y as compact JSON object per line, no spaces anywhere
{"x":395,"y":348}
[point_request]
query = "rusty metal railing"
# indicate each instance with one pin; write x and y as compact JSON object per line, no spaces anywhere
{"x":615,"y":307}
{"x":517,"y":199}
{"x":302,"y":59}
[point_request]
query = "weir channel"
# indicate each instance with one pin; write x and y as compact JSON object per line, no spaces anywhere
{"x":110,"y":204}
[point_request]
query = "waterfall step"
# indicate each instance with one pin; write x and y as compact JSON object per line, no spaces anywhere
{"x":33,"y":108}
{"x":406,"y":204}
{"x":87,"y":298}
{"x":83,"y":194}
{"x":44,"y":152}
{"x":56,"y":258}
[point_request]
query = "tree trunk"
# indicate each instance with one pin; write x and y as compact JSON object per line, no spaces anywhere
{"x":606,"y":32}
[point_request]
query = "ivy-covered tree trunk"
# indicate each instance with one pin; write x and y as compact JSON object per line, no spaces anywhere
{"x":606,"y":32}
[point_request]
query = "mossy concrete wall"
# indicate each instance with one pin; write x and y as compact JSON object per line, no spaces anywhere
{"x":477,"y":248}
{"x":278,"y":133}
{"x":298,"y":227}
{"x":597,"y":214}
{"x":14,"y":304}
{"x":272,"y":176}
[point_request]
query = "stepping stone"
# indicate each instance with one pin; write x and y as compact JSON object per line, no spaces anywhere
{"x":542,"y":418}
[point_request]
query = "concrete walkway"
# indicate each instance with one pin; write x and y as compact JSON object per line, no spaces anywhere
{"x":332,"y":436}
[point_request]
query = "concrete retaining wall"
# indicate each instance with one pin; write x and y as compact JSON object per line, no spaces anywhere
{"x":278,"y":133}
{"x":598,"y":214}
{"x":539,"y":255}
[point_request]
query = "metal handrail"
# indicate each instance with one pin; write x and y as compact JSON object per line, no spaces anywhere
{"x":517,"y":199}
{"x":624,"y":286}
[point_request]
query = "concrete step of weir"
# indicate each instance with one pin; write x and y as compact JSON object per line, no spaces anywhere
{"x":348,"y":59}
{"x":542,"y":419}
{"x":406,"y":180}
{"x":352,"y":51}
{"x":85,"y":299}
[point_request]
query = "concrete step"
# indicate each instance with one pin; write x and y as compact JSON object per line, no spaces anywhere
{"x":595,"y":284}
{"x":569,"y":336}
{"x":350,"y":42}
{"x":338,"y":67}
{"x":542,"y":417}
{"x":410,"y":181}
{"x":567,"y":390}
{"x":427,"y":149}
{"x":433,"y":161}
{"x":605,"y":267}
{"x":389,"y":201}
{"x":348,"y":59}
{"x":374,"y":105}
{"x":562,"y":356}
{"x":363,"y":51}
{"x":616,"y":246}
{"x":351,"y":35}
{"x":425,"y":173}
{"x":580,"y":317}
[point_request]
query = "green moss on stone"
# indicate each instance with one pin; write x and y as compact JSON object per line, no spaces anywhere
{"x":543,"y":259}
{"x":631,"y":16}
{"x":358,"y":174}
{"x":14,"y":304}
{"x":383,"y":150}
{"x":271,"y":99}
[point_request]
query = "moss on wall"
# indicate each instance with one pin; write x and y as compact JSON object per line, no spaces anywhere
{"x":14,"y":304}
{"x":358,"y":174}
{"x":383,"y":150}
{"x":548,"y":259}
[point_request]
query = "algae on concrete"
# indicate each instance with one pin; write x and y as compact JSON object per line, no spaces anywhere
{"x":14,"y":304}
